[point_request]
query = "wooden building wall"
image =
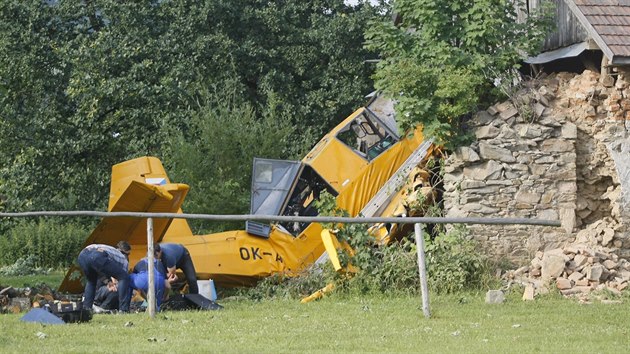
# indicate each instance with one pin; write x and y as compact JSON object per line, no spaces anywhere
{"x":568,"y":29}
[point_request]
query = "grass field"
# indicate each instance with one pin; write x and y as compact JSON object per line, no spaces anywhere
{"x":460,"y":324}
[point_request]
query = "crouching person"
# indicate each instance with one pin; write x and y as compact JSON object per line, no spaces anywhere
{"x":175,"y":256}
{"x":106,"y":298}
{"x":98,"y":261}
{"x":139,"y":280}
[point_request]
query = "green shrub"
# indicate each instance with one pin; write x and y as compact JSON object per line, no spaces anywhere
{"x":53,"y":243}
{"x":23,"y":266}
{"x":392,"y":269}
{"x":454,"y":262}
{"x":284,"y":287}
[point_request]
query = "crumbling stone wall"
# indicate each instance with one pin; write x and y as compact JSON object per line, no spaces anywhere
{"x":559,"y":150}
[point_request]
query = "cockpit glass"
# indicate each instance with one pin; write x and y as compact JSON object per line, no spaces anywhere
{"x":367,"y":136}
{"x":271,"y":184}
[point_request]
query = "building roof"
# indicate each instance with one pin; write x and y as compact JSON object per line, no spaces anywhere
{"x":608,"y":24}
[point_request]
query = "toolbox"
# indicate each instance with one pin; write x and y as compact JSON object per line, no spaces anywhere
{"x":69,"y":311}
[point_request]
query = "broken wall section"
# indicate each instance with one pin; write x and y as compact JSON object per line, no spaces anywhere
{"x":556,"y":153}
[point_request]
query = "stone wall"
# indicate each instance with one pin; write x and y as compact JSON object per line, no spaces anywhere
{"x":560,"y":150}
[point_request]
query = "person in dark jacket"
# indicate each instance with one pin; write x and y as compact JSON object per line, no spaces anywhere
{"x":97,"y":261}
{"x":106,"y":297}
{"x":175,"y":256}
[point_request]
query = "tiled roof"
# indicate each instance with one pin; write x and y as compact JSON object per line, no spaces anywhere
{"x":608,"y":23}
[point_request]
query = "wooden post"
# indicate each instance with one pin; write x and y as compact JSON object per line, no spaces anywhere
{"x":150,"y":260}
{"x":422,"y":269}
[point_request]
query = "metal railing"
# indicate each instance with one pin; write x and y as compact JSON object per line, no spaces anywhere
{"x":320,"y":219}
{"x":417,"y":221}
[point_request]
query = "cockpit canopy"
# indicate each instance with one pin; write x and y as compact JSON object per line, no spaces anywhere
{"x":290,"y":188}
{"x":272,"y":180}
{"x":367,"y":135}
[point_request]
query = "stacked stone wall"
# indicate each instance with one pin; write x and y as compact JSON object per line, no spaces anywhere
{"x":558,"y":150}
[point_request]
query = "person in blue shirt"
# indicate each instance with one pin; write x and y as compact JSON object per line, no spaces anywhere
{"x":139,"y":279}
{"x":97,"y":261}
{"x":175,"y":256}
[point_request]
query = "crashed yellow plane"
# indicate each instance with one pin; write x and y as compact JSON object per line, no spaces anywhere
{"x":363,"y":162}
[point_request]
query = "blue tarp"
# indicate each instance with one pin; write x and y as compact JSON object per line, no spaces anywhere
{"x":41,"y":316}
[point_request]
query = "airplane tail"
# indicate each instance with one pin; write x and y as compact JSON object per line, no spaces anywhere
{"x":138,"y":185}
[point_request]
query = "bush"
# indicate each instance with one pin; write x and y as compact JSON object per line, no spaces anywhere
{"x":392,"y":269}
{"x":285,"y":287}
{"x":454,"y":262}
{"x":52,"y":243}
{"x":23,"y":266}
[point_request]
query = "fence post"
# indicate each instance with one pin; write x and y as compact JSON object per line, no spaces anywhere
{"x":150,"y":260}
{"x":422,"y":269}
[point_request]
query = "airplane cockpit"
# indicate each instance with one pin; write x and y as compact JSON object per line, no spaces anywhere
{"x":290,"y":188}
{"x":367,"y":135}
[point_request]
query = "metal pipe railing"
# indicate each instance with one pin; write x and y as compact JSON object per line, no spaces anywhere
{"x":418,"y":221}
{"x":320,"y":219}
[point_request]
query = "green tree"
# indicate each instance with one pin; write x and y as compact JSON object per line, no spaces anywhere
{"x":33,"y":111}
{"x":215,"y":153}
{"x":308,"y":54}
{"x":85,"y":84}
{"x":441,"y":58}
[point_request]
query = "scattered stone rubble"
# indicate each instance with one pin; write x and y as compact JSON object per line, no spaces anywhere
{"x":577,"y":269}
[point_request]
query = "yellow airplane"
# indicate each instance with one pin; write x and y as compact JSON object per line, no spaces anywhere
{"x":363,"y":162}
